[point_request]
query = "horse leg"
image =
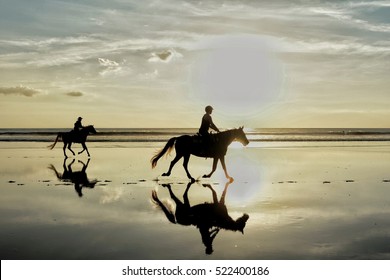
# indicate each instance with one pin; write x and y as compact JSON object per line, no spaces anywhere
{"x":64,"y":148}
{"x":222,"y":200}
{"x":70,"y":148}
{"x":172,"y":195}
{"x":185,"y":165}
{"x":214,"y":194}
{"x":224,"y":168}
{"x":84,"y":149}
{"x":215,"y":162}
{"x":81,"y":151}
{"x":185,"y":195}
{"x":173,"y":162}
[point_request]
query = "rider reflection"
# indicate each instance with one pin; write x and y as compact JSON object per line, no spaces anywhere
{"x":78,"y":178}
{"x":209,"y":218}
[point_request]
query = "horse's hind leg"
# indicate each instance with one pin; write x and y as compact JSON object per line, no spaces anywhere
{"x":173,"y":196}
{"x":185,"y":165}
{"x":70,"y":148}
{"x":185,"y":195}
{"x":173,"y":162}
{"x":215,"y":162}
{"x":64,"y":148}
{"x":214,"y":194}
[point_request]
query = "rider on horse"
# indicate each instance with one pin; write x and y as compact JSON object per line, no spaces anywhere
{"x":77,"y":127}
{"x":207,"y":123}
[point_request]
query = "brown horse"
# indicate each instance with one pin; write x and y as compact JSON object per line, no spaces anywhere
{"x":209,"y":218}
{"x":72,"y":137}
{"x":215,"y":147}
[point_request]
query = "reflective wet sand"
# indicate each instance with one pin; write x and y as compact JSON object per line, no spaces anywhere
{"x":304,"y":202}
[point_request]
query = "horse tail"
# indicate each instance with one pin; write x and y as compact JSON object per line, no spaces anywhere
{"x":168,"y":213}
{"x":168,"y":147}
{"x":59,"y":135}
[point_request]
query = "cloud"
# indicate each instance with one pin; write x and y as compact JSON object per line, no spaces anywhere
{"x":74,"y":94}
{"x":343,"y":47}
{"x":349,"y":17}
{"x":107,"y":63}
{"x":150,"y":75}
{"x":110,"y":67}
{"x":164,"y":56}
{"x":378,"y":4}
{"x":18,"y":90}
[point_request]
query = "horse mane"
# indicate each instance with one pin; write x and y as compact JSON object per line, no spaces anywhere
{"x":227,"y":132}
{"x":87,"y":127}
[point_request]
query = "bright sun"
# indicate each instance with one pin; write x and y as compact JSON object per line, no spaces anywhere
{"x":237,"y":74}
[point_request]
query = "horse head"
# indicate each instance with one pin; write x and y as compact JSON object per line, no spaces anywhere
{"x":241,"y":137}
{"x":241,"y":222}
{"x":91,"y":129}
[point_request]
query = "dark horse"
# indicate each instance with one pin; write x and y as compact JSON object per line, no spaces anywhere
{"x":216,"y":148}
{"x":78,"y":178}
{"x":209,"y":218}
{"x":72,"y":137}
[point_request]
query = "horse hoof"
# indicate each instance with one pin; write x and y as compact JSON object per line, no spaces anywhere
{"x":206,"y":176}
{"x":165,"y":174}
{"x":192,"y":180}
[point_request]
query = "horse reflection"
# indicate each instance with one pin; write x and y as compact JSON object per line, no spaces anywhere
{"x":209,"y":218}
{"x":78,"y":178}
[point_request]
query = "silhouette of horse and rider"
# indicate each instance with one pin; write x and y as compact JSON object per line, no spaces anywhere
{"x":78,"y":178}
{"x":77,"y":135}
{"x":202,"y":145}
{"x":209,"y":218}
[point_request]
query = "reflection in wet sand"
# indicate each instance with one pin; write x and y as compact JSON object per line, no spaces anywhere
{"x":79,"y":178}
{"x":301,"y":200}
{"x":209,"y":218}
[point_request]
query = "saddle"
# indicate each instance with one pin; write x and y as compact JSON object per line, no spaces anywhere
{"x":205,"y":144}
{"x":76,"y":135}
{"x":205,"y":139}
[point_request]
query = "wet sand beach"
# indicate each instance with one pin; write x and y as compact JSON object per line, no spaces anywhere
{"x":314,"y":201}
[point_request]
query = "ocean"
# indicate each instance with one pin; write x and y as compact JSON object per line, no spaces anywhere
{"x":163,"y":134}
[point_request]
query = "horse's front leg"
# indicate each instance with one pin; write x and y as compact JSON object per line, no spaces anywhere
{"x":224,"y":169}
{"x":215,"y":162}
{"x":84,"y":149}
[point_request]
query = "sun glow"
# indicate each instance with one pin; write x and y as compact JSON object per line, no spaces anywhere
{"x":247,"y":176}
{"x":239,"y":74}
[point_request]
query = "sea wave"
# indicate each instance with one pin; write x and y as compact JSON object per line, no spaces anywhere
{"x":164,"y":134}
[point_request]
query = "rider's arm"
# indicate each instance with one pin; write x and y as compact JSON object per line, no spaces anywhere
{"x":213,"y":126}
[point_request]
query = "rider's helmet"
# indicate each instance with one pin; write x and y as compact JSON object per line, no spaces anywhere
{"x":208,"y":109}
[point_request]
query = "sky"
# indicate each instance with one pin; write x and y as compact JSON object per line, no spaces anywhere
{"x":124,"y":63}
